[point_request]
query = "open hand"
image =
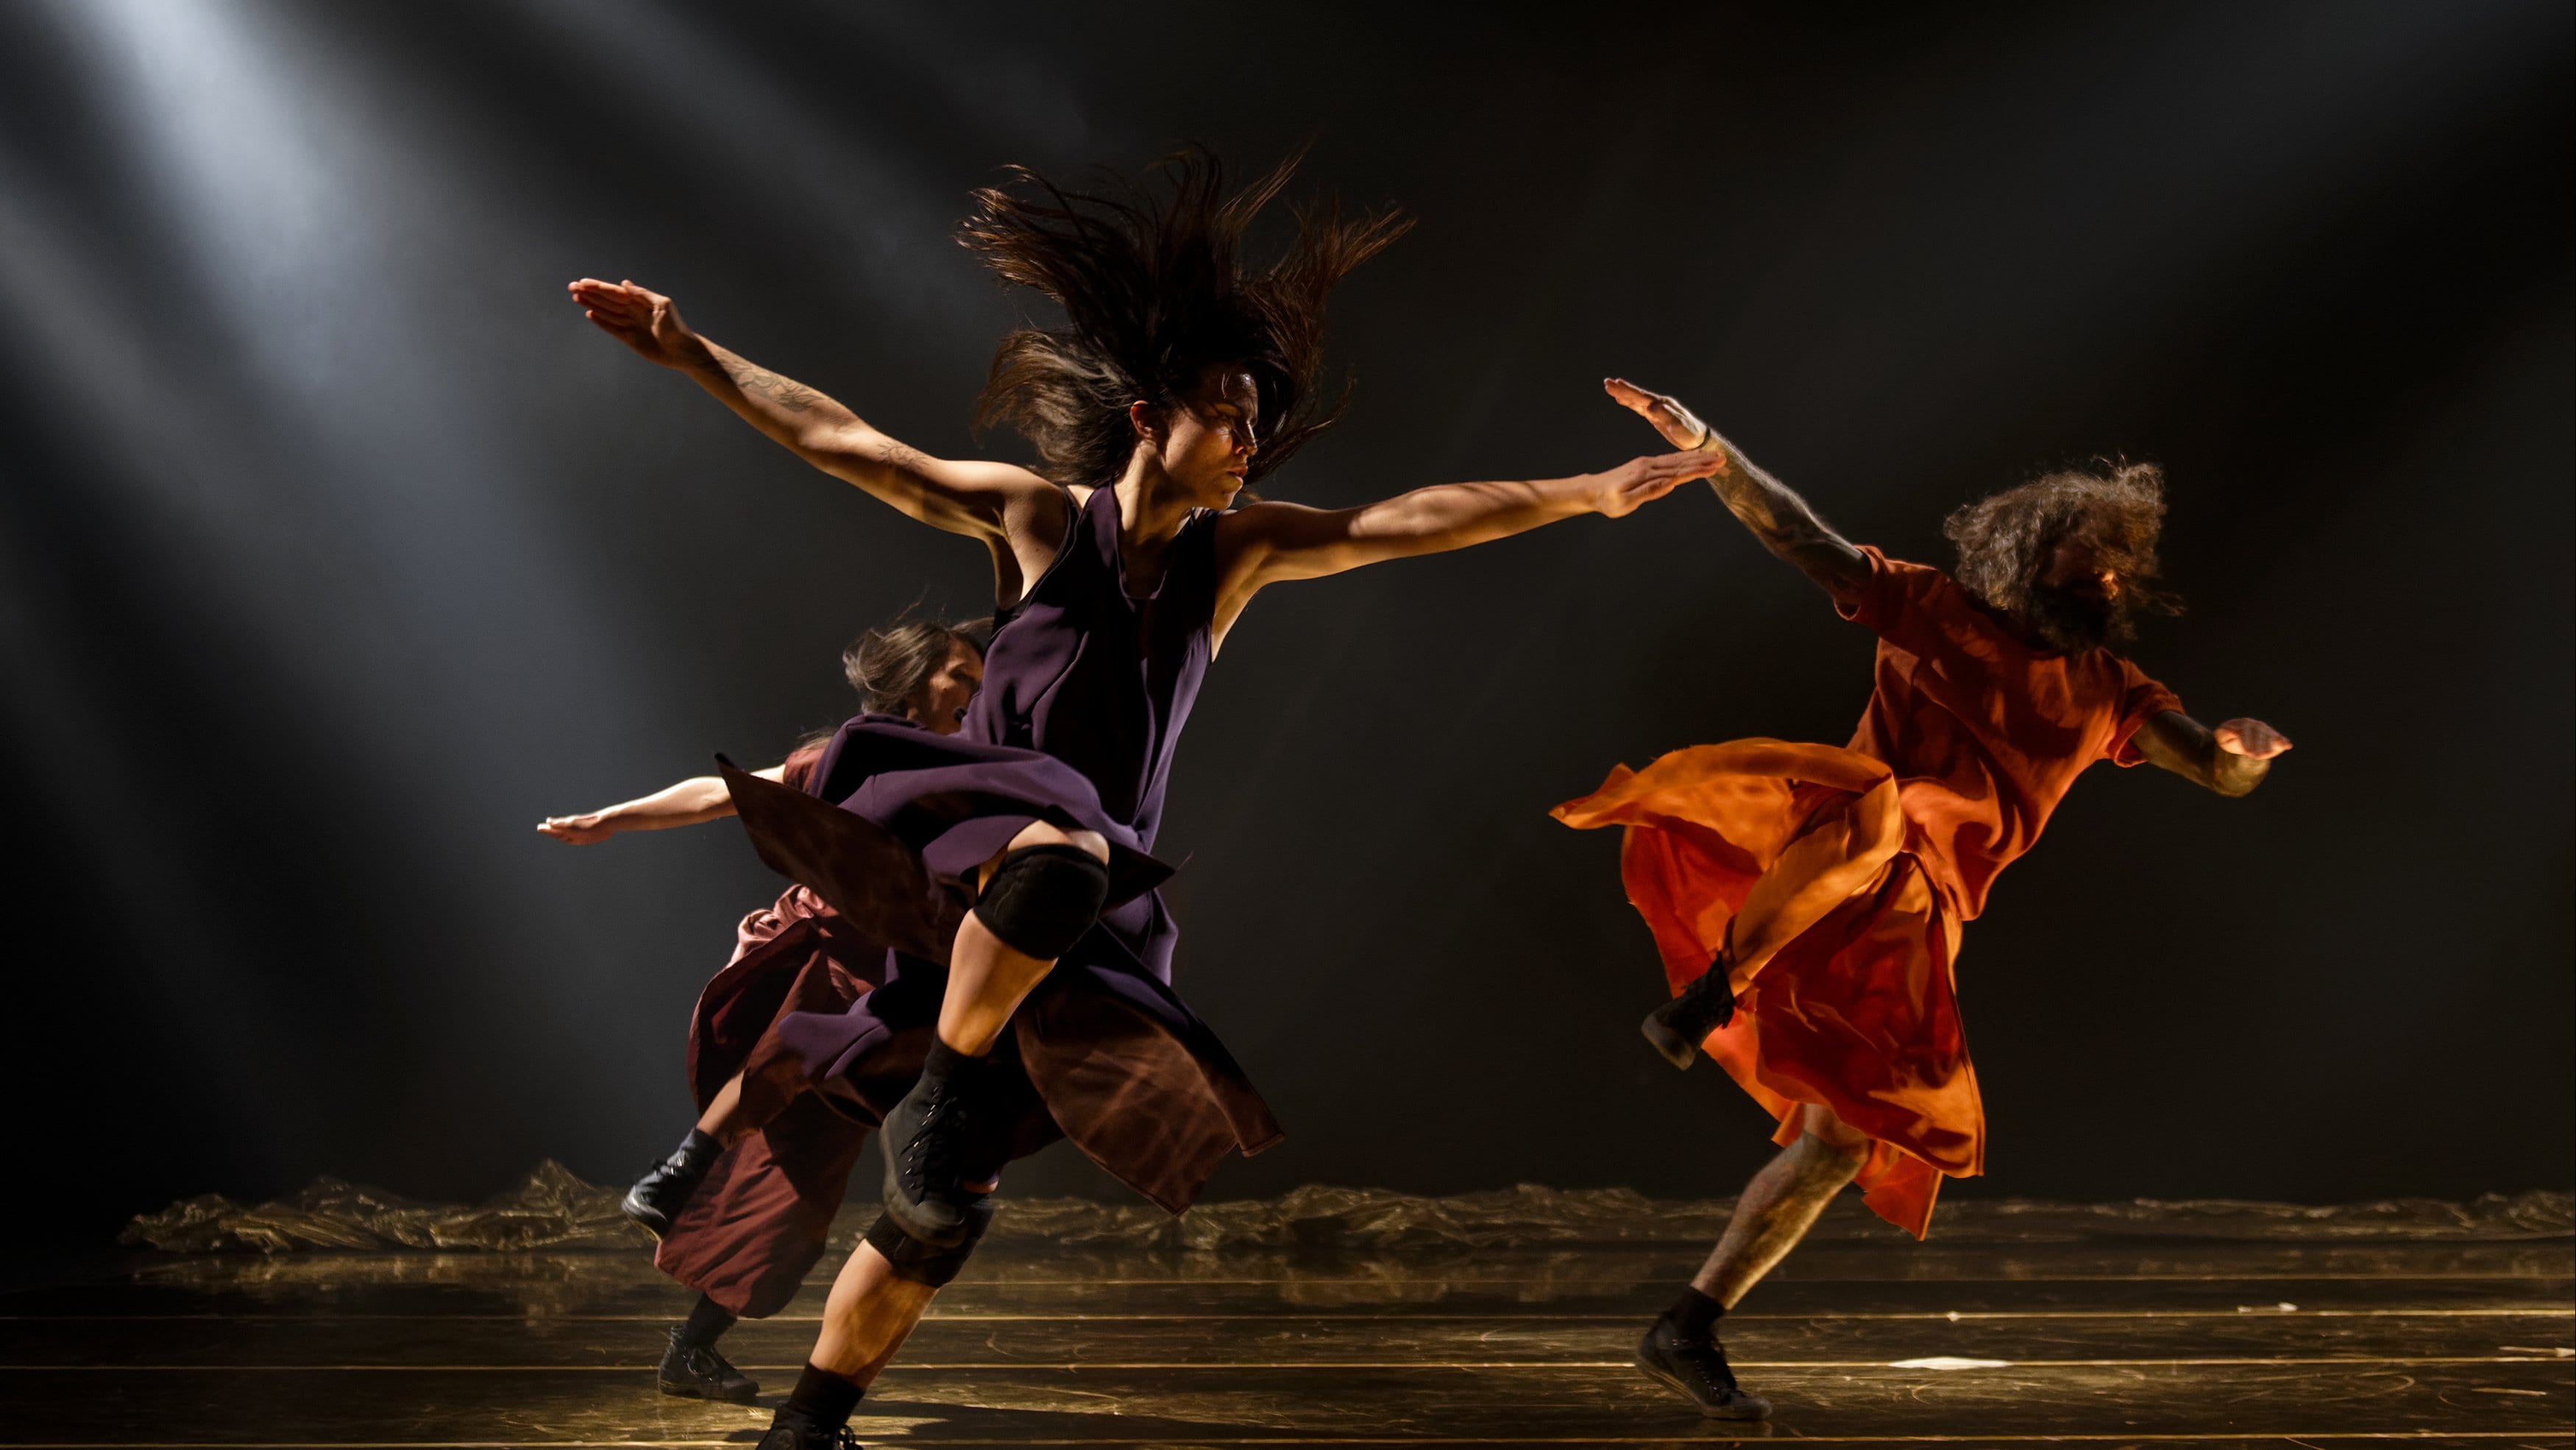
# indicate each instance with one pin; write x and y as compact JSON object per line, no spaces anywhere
{"x":2250,"y":738}
{"x":580,"y":830}
{"x":1640,"y":481}
{"x":1679,"y":425}
{"x":642,"y":319}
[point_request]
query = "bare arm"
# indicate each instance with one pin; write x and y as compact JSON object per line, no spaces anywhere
{"x":691,"y":802}
{"x":1265,"y":543}
{"x":1775,"y":513}
{"x":2231,"y":760}
{"x":1017,"y":514}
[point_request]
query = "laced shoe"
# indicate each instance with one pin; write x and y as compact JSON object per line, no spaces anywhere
{"x":1697,"y":1368}
{"x":1677,"y":1028}
{"x":934,"y":1149}
{"x":657,"y":1198}
{"x":697,"y":1372}
{"x":792,"y":1431}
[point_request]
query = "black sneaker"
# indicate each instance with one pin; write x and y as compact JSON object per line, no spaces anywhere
{"x":1677,"y":1028}
{"x":933,"y":1148}
{"x":1697,"y":1368}
{"x":792,"y":1431}
{"x":657,"y":1198}
{"x":697,"y":1372}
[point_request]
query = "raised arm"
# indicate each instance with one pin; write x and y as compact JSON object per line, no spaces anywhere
{"x":2231,"y":760}
{"x":1775,"y":513}
{"x":691,"y":802}
{"x":1020,"y":515}
{"x":1264,"y":543}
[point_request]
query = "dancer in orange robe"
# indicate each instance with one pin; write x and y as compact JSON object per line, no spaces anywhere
{"x":1807,"y":899}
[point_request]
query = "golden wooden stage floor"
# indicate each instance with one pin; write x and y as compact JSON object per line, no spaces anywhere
{"x":2030,"y":1331}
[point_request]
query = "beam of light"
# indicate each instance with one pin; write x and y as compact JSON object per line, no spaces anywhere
{"x":371,"y":529}
{"x":900,"y":263}
{"x":59,"y":311}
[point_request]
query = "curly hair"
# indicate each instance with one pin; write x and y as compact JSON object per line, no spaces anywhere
{"x":888,"y":665}
{"x":1148,"y":274}
{"x":2117,"y":510}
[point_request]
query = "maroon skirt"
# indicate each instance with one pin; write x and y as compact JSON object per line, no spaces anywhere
{"x":760,"y":1221}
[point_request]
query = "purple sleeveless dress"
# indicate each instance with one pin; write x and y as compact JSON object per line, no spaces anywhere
{"x":1086,"y":690}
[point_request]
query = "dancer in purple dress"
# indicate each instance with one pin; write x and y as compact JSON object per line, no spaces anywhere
{"x":1012,"y":864}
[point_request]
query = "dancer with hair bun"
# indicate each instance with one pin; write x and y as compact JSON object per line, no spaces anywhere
{"x":742,"y":1208}
{"x":1042,"y":1005}
{"x":1807,"y":899}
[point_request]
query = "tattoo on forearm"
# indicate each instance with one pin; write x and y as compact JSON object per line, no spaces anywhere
{"x":1785,"y":523}
{"x":901,"y":455}
{"x":787,"y":393}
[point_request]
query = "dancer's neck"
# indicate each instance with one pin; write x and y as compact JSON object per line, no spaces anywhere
{"x":1151,"y":509}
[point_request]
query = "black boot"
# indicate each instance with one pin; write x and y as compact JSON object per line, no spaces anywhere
{"x":692,"y":1369}
{"x":1696,"y":1366}
{"x":1677,"y":1028}
{"x":697,"y":1372}
{"x":933,"y":1145}
{"x":657,"y":1198}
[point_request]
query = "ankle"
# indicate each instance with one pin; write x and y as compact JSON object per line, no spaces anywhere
{"x":964,"y":1044}
{"x":945,"y":1060}
{"x":823,"y":1399}
{"x":697,"y":1153}
{"x":707,"y":1322}
{"x":1694,"y":1315}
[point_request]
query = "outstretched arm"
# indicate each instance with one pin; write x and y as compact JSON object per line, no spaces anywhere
{"x":2231,"y":760}
{"x":1771,"y":509}
{"x":1263,"y":543}
{"x":1006,"y":506}
{"x":698,"y":799}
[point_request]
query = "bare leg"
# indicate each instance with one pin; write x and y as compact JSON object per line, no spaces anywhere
{"x":870,"y":1313}
{"x":944,"y":1134}
{"x":1840,"y":857}
{"x":1681,"y":1348}
{"x":717,"y":1121}
{"x":1843,"y":853}
{"x":987,"y":979}
{"x":1781,"y":1203}
{"x":868,"y":1316}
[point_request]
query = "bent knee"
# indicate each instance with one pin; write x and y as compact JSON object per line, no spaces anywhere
{"x":1043,"y":894}
{"x":1831,"y":1137}
{"x":1043,"y":833}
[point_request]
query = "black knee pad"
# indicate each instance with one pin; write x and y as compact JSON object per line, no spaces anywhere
{"x":923,"y":1263}
{"x":1043,"y":898}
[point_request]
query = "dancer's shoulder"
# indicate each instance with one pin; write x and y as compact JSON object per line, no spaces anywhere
{"x":1896,"y":589}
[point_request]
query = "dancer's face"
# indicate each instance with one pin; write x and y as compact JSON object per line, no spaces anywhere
{"x":944,"y":696}
{"x":1205,"y":443}
{"x":2072,"y":601}
{"x":2075,"y":564}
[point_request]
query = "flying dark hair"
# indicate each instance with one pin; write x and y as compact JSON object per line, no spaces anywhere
{"x":889,"y":665}
{"x":2117,"y":509}
{"x":1153,"y":291}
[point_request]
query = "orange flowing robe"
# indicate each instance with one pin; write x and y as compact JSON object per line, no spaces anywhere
{"x":1984,"y":734}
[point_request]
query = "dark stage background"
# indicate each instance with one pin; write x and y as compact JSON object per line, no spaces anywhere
{"x":338,"y":549}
